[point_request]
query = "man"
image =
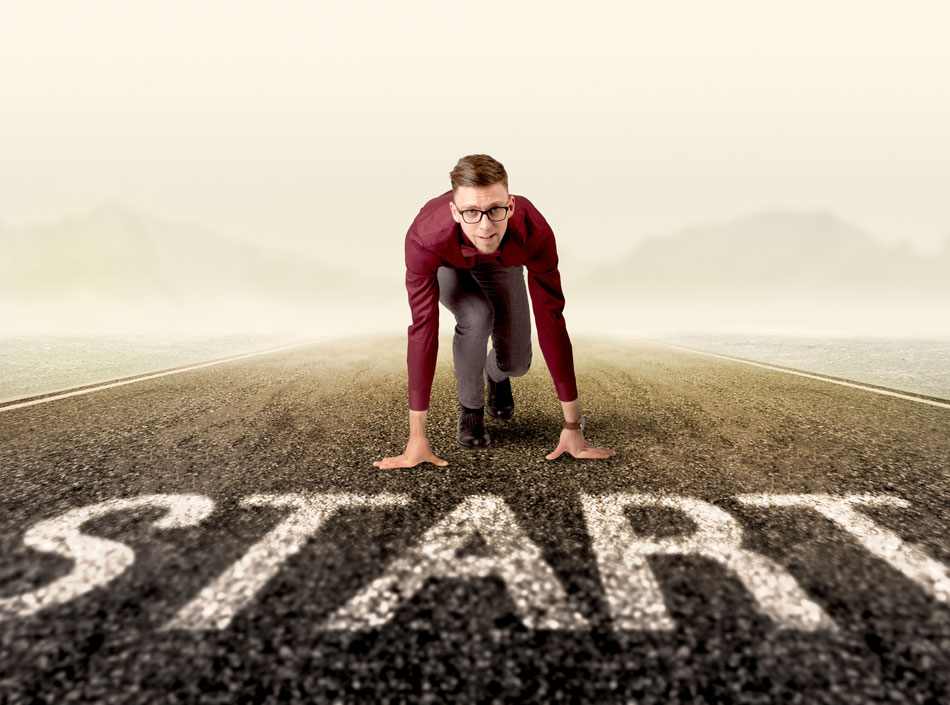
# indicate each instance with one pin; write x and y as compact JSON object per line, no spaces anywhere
{"x":468,"y":249}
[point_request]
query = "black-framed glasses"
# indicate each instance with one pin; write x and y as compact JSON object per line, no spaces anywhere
{"x":473,"y":215}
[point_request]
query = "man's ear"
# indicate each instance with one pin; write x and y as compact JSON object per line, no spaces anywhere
{"x":511,"y":202}
{"x":455,"y":215}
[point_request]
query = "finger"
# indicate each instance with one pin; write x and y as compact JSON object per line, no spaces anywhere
{"x":599,"y":453}
{"x":398,"y":461}
{"x":592,"y":452}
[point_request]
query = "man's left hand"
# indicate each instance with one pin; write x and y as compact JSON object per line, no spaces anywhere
{"x":573,"y":442}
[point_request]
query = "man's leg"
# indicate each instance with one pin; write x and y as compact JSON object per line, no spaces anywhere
{"x":462,"y":295}
{"x":505,"y":290}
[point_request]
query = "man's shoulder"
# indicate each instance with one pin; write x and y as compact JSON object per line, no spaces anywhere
{"x":531,"y":223}
{"x":434,"y":222}
{"x":522,"y":201}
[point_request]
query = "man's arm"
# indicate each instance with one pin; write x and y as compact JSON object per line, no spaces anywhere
{"x":422,"y":286}
{"x":547,"y":300}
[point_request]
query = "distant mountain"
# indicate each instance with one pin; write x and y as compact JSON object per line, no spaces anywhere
{"x":778,"y":267}
{"x":776,"y":251}
{"x":114,"y":263}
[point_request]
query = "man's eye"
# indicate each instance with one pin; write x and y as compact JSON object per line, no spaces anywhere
{"x":473,"y":212}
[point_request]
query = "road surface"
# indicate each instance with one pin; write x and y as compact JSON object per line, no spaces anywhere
{"x":221,"y":535}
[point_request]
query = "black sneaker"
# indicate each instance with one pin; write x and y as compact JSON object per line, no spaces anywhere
{"x":500,"y":404}
{"x":472,"y":433}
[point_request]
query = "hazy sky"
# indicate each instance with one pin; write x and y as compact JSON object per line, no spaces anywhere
{"x":328,"y":124}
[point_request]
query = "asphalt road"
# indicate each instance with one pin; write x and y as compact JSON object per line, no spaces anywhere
{"x":221,"y":535}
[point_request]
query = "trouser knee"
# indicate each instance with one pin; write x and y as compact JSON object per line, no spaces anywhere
{"x":474,"y":324}
{"x":516,"y":368}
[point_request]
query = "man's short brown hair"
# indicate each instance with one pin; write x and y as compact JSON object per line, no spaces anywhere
{"x":478,"y":170}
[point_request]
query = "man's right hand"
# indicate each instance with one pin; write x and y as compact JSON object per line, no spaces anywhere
{"x":417,"y":451}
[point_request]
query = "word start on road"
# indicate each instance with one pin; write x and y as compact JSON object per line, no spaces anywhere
{"x":633,"y":595}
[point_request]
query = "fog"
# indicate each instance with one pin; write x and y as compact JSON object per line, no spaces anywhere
{"x":224,"y":166}
{"x":119,"y":270}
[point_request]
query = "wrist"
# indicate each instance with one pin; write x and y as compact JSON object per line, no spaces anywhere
{"x":417,"y":424}
{"x":572,"y":410}
{"x":577,"y":425}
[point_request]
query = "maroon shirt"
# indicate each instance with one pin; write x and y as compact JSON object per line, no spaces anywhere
{"x":435,"y":240}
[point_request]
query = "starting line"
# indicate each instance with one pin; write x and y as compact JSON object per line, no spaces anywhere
{"x":634,"y":597}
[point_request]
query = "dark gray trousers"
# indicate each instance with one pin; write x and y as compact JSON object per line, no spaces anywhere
{"x":487,"y":301}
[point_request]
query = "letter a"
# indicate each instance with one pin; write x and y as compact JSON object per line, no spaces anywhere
{"x":538,"y":596}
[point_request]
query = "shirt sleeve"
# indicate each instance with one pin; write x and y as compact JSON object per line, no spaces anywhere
{"x":547,"y":301}
{"x":422,"y":286}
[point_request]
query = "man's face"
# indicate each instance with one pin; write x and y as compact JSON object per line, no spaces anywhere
{"x":486,"y":235}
